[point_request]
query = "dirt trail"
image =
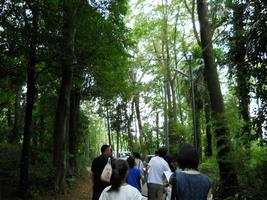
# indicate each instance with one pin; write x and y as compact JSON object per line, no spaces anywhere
{"x":82,"y":190}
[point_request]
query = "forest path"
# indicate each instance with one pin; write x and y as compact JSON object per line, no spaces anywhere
{"x":82,"y":190}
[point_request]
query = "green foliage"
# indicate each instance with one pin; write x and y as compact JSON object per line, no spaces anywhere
{"x":41,"y":172}
{"x":210,"y":168}
{"x":250,"y":165}
{"x":232,"y":116}
{"x":106,"y":53}
{"x":150,"y":138}
{"x":181,"y":135}
{"x":92,"y":133}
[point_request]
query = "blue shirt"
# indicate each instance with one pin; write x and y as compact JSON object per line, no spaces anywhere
{"x":134,"y":177}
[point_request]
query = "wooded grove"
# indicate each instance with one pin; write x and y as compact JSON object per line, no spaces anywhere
{"x":135,"y":74}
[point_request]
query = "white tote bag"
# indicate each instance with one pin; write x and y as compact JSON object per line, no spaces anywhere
{"x":107,"y":172}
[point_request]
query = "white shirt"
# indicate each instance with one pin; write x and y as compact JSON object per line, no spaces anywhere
{"x":126,"y":192}
{"x":157,"y":165}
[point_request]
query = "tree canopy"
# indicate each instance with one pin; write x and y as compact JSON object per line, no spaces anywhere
{"x":136,"y":75}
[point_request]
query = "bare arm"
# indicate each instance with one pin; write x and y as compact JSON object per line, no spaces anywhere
{"x":210,"y":196}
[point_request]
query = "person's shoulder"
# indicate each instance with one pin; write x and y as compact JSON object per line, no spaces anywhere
{"x":155,"y":158}
{"x":136,"y":169}
{"x":135,"y":193}
{"x":180,"y":174}
{"x":131,"y":188}
{"x":96,"y":159}
{"x":205,"y":177}
{"x":104,"y":194}
{"x":107,"y":188}
{"x":163,"y":161}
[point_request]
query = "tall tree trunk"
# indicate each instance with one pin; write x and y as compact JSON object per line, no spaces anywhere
{"x":157,"y":130}
{"x":208,"y":149}
{"x":198,"y":128}
{"x":175,"y":80}
{"x":118,"y":142}
{"x":228,"y":178}
{"x":73,"y":129}
{"x":139,"y":121}
{"x":180,"y":105}
{"x":242,"y":74}
{"x":31,"y":91}
{"x":108,"y":123}
{"x":63,"y":105}
{"x":165,"y":110}
{"x":174,"y":103}
{"x":129,"y":119}
{"x":169,"y":85}
{"x":15,"y":130}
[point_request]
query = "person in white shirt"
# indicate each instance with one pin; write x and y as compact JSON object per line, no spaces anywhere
{"x":119,"y":189}
{"x":156,"y":167}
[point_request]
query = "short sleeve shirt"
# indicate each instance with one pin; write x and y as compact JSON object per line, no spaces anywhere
{"x":134,"y":177}
{"x":126,"y":192}
{"x":157,"y":165}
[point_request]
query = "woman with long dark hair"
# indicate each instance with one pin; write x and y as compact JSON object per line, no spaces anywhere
{"x":119,"y":189}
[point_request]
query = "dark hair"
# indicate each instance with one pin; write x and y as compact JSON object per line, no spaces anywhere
{"x":131,"y":162}
{"x":104,"y":147}
{"x":136,"y":155}
{"x":119,"y":171}
{"x":162,"y":151}
{"x":188,"y":157}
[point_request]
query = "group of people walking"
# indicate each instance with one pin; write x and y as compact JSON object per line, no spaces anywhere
{"x":128,"y":177}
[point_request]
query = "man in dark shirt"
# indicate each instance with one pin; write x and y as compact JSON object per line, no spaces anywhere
{"x":97,"y":167}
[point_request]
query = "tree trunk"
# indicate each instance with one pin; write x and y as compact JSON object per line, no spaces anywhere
{"x":31,"y":91}
{"x":73,"y":129}
{"x":15,"y":130}
{"x":129,"y":119}
{"x":208,"y":150}
{"x":157,"y":131}
{"x":175,"y":80}
{"x":180,"y":104}
{"x":198,"y":129}
{"x":118,"y":141}
{"x":168,"y":88}
{"x":139,"y":121}
{"x":228,"y":178}
{"x":63,"y":105}
{"x":108,"y":123}
{"x":165,"y":110}
{"x":174,"y":103}
{"x":242,"y":74}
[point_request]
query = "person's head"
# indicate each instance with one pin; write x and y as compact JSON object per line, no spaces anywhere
{"x":136,"y":155}
{"x":131,"y":162}
{"x":119,"y":174}
{"x":106,"y":150}
{"x":188,"y":157}
{"x":161,"y":152}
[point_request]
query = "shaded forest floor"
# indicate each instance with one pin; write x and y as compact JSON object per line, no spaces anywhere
{"x":79,"y":189}
{"x":82,"y":190}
